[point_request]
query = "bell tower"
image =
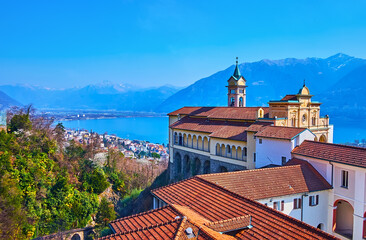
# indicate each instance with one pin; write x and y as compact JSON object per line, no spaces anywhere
{"x":236,"y":96}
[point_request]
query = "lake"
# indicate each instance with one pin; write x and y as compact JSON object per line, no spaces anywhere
{"x":152,"y":129}
{"x":155,"y":129}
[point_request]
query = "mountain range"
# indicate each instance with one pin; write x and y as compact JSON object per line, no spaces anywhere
{"x":338,"y":81}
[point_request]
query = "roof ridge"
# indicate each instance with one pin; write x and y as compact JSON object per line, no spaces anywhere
{"x":156,"y":189}
{"x":248,"y":170}
{"x":177,"y":233}
{"x":312,"y":168}
{"x":289,"y":218}
{"x":227,"y":220}
{"x":142,"y":213}
{"x":335,"y":144}
{"x":143,"y":228}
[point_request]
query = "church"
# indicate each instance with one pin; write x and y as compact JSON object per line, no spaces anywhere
{"x":294,"y":184}
{"x":219,"y":139}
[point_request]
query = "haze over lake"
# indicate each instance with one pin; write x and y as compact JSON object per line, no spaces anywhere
{"x":152,"y":129}
{"x":155,"y":129}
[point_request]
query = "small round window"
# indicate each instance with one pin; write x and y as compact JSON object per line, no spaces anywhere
{"x":304,"y":118}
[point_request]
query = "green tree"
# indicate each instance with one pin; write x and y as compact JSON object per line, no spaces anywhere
{"x":20,"y":121}
{"x":155,"y":155}
{"x":106,"y":212}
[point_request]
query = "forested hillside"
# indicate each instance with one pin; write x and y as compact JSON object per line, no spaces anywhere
{"x":48,"y":185}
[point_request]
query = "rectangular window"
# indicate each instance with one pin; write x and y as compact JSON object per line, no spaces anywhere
{"x":314,"y":200}
{"x":280,"y":206}
{"x":260,"y":141}
{"x":297,"y":203}
{"x":283,"y":161}
{"x":344,"y":179}
{"x":232,"y":91}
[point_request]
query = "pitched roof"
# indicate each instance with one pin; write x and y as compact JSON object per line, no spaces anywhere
{"x":143,"y":220}
{"x":215,"y":203}
{"x":162,"y":231}
{"x":231,"y":224}
{"x":236,"y":113}
{"x":291,"y":97}
{"x":219,"y":129}
{"x":350,"y":155}
{"x":259,"y":183}
{"x":161,"y":224}
{"x":278,"y":132}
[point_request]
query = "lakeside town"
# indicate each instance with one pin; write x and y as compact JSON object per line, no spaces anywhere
{"x":136,"y":149}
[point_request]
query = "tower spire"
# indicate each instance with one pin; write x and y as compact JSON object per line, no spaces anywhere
{"x":304,"y":82}
{"x":236,"y":74}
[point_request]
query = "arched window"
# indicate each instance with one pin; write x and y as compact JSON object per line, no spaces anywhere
{"x":228,"y":150}
{"x":180,"y":139}
{"x":232,"y":102}
{"x":322,"y":138}
{"x":207,"y":167}
{"x":240,"y":101}
{"x":196,"y":166}
{"x":187,"y":165}
{"x":178,"y":163}
{"x":175,"y":138}
{"x":313,"y":121}
{"x":293,"y":122}
{"x":222,"y":169}
{"x":218,"y":149}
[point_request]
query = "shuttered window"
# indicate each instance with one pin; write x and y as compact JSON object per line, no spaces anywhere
{"x":297,"y":203}
{"x":314,"y":200}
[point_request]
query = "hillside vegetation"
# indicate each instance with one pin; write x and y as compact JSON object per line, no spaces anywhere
{"x":48,"y":185}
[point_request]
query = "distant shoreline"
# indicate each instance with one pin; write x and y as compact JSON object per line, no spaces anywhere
{"x":72,"y":115}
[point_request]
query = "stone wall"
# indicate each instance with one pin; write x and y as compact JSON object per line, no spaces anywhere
{"x":187,"y":164}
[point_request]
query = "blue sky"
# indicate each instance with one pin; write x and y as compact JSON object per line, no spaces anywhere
{"x":62,"y":44}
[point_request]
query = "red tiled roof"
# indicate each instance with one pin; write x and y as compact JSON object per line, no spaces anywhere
{"x":259,"y":183}
{"x":231,"y":224}
{"x":219,"y":129}
{"x":161,"y":224}
{"x":215,"y":203}
{"x":236,"y":113}
{"x":279,"y":132}
{"x":162,"y":231}
{"x":355,"y":156}
{"x":289,"y":97}
{"x":143,"y":220}
{"x":257,"y":126}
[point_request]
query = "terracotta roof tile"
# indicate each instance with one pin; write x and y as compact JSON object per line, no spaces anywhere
{"x":279,"y":132}
{"x":355,"y":156}
{"x":289,"y":97}
{"x":145,"y":219}
{"x":258,"y":183}
{"x":162,"y":231}
{"x":215,"y":203}
{"x":231,"y":224}
{"x":243,"y":113}
{"x":219,"y":129}
{"x":257,"y":126}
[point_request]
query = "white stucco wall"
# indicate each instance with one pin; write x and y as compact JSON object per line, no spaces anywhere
{"x":271,"y":151}
{"x":355,"y":194}
{"x":313,"y":215}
